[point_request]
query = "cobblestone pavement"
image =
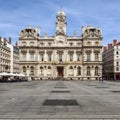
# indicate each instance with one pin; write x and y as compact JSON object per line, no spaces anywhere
{"x":60,"y":100}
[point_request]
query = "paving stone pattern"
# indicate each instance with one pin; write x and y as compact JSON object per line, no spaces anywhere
{"x":60,"y":100}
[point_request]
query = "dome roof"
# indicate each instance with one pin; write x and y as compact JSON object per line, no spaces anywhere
{"x":61,"y":12}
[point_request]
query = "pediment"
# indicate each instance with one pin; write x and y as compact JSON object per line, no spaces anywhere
{"x":92,"y":35}
{"x":27,"y":36}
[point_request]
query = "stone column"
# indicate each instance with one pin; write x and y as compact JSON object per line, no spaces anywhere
{"x":68,"y":56}
{"x":63,"y":56}
{"x":28,"y":70}
{"x":45,"y":74}
{"x":27,"y":56}
{"x":74,"y":56}
{"x":36,"y":56}
{"x":37,"y":70}
{"x":92,"y":55}
{"x":75,"y":71}
{"x":45,"y":56}
{"x":55,"y":56}
{"x":54,"y":71}
{"x":92,"y":71}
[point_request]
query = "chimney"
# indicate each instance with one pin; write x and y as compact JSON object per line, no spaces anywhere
{"x":5,"y":41}
{"x":105,"y":49}
{"x":9,"y":40}
{"x":16,"y":44}
{"x":0,"y":39}
{"x":114,"y":42}
{"x":109,"y":46}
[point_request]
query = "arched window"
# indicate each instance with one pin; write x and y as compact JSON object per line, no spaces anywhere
{"x":71,"y":67}
{"x":24,"y":44}
{"x":88,"y":70}
{"x":71,"y":44}
{"x":96,"y":70}
{"x":117,"y":52}
{"x":41,"y":67}
{"x":31,"y":70}
{"x":49,"y":67}
{"x":71,"y":71}
{"x":96,"y":43}
{"x":24,"y":70}
{"x":88,"y":43}
{"x":31,"y":43}
{"x":42,"y":44}
{"x":41,"y":70}
{"x":79,"y":70}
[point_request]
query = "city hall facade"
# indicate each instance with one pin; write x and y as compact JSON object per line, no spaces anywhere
{"x":61,"y":56}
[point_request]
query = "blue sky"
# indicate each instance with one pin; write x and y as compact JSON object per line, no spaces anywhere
{"x":16,"y":15}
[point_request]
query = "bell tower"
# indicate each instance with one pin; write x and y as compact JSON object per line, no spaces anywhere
{"x":61,"y":23}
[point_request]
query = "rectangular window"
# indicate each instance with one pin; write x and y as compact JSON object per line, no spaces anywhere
{"x":88,"y":57}
{"x":96,"y":56}
{"x":49,"y":57}
{"x":71,"y":44}
{"x":79,"y":71}
{"x":71,"y":57}
{"x":41,"y":57}
{"x":49,"y":44}
{"x":88,"y":71}
{"x":60,"y":57}
{"x":117,"y":68}
{"x":78,"y":57}
{"x":117,"y":63}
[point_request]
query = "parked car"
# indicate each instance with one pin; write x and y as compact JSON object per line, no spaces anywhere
{"x":29,"y":79}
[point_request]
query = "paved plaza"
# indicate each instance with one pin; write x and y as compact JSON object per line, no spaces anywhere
{"x":60,"y":100}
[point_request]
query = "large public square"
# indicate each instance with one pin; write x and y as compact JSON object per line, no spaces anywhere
{"x":59,"y":100}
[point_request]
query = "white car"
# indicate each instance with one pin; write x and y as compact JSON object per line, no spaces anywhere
{"x":29,"y":79}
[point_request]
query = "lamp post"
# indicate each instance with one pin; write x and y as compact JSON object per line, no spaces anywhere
{"x":98,"y":77}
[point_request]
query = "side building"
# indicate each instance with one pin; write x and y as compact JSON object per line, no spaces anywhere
{"x":7,"y":56}
{"x":111,"y":61}
{"x":16,"y":58}
{"x":61,"y":56}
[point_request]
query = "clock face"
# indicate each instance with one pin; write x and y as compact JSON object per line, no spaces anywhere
{"x":60,"y":38}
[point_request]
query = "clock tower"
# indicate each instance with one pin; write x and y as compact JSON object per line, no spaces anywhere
{"x":61,"y":23}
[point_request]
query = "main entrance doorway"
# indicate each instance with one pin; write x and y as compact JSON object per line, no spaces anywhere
{"x":60,"y":71}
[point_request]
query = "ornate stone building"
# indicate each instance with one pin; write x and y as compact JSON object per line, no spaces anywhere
{"x":70,"y":57}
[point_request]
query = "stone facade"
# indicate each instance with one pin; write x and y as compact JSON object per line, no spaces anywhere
{"x":15,"y":59}
{"x":9,"y":56}
{"x":111,"y":61}
{"x":5,"y":55}
{"x":70,"y":57}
